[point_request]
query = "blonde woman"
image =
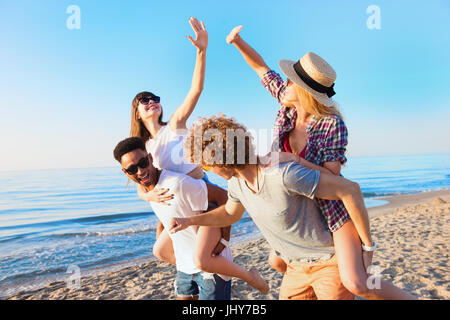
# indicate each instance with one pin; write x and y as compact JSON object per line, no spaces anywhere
{"x":164,"y":141}
{"x":310,"y":126}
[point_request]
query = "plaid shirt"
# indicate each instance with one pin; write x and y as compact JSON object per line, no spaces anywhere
{"x":327,"y":141}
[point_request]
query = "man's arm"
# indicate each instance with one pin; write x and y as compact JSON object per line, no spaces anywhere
{"x":276,"y":157}
{"x":254,"y":60}
{"x":332,"y":187}
{"x":223,"y":216}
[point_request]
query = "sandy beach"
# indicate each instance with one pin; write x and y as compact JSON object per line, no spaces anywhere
{"x":412,"y":234}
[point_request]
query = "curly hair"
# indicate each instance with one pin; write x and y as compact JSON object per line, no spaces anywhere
{"x":221,"y":142}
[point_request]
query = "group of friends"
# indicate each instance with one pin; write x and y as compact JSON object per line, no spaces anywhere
{"x":314,"y":220}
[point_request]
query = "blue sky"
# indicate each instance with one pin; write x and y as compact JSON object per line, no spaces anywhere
{"x":65,"y":94}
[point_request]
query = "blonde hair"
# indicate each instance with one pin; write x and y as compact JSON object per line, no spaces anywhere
{"x":314,"y":107}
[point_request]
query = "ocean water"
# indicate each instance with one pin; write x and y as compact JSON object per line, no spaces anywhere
{"x":53,"y":219}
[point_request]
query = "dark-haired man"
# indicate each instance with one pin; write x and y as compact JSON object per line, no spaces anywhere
{"x":191,"y":198}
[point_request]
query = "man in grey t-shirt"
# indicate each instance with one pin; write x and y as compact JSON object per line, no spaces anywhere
{"x":283,"y":211}
{"x":279,"y":200}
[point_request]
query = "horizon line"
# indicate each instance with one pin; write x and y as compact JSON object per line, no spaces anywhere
{"x":109,"y":166}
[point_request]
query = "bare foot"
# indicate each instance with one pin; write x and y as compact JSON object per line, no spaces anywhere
{"x":258,"y":282}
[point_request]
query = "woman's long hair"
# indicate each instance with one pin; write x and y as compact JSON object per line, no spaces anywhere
{"x":138,"y":128}
{"x":314,"y":107}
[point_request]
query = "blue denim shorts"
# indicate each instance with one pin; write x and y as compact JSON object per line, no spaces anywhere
{"x":206,"y":286}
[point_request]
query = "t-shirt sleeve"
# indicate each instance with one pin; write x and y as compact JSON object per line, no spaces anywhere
{"x":273,"y":82}
{"x":300,"y":180}
{"x":336,"y":142}
{"x":232,"y":190}
{"x":195,"y":193}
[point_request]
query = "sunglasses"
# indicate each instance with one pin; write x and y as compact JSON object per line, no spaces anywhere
{"x":146,"y":100}
{"x":133,"y":169}
{"x":287,"y":82}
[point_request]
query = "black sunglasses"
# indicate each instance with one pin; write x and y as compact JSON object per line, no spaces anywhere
{"x":133,"y":169}
{"x":146,"y":100}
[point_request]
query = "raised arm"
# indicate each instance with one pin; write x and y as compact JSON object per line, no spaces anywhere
{"x":223,"y":216}
{"x":254,"y":60}
{"x":179,"y":118}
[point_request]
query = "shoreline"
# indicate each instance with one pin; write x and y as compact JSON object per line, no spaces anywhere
{"x":152,"y":279}
{"x":398,"y":201}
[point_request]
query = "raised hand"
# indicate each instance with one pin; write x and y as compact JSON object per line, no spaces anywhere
{"x":201,"y":36}
{"x":234,"y":34}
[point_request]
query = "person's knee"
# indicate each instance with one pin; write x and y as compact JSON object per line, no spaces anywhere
{"x":157,"y":252}
{"x":356,"y":285}
{"x":162,"y":254}
{"x":202,"y":262}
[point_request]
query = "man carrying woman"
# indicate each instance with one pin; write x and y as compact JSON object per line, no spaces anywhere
{"x":164,"y":142}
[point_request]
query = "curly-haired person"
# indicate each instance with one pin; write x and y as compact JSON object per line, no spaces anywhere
{"x":279,"y":199}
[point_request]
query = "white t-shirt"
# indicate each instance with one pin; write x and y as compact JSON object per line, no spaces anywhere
{"x":167,"y":151}
{"x":191,"y":198}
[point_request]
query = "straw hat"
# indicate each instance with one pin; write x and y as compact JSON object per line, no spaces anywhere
{"x":313,"y":74}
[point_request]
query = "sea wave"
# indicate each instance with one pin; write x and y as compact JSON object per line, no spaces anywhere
{"x":93,"y":220}
{"x":128,"y":231}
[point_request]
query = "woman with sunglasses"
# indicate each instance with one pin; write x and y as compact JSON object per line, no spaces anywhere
{"x":164,"y":141}
{"x":310,"y":128}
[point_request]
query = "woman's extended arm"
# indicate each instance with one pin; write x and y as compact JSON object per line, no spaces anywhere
{"x":254,"y":60}
{"x":223,"y":216}
{"x":179,"y":118}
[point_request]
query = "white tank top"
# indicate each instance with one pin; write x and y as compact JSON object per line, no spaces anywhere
{"x":167,"y":151}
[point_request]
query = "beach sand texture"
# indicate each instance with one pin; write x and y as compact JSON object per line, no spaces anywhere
{"x":412,"y":233}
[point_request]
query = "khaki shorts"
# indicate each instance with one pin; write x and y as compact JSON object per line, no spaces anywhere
{"x":314,"y":281}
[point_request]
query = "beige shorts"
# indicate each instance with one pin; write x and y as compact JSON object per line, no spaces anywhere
{"x":314,"y":281}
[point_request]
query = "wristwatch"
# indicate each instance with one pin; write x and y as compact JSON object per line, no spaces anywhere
{"x":372,"y":248}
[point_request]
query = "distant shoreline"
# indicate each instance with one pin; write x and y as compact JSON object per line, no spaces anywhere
{"x":398,"y":201}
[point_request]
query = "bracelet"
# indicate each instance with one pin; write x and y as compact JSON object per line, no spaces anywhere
{"x":372,"y":248}
{"x":224,"y":242}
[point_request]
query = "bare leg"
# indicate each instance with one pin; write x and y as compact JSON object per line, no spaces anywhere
{"x":163,"y":249}
{"x":276,"y":262}
{"x":207,"y":239}
{"x":351,"y":268}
